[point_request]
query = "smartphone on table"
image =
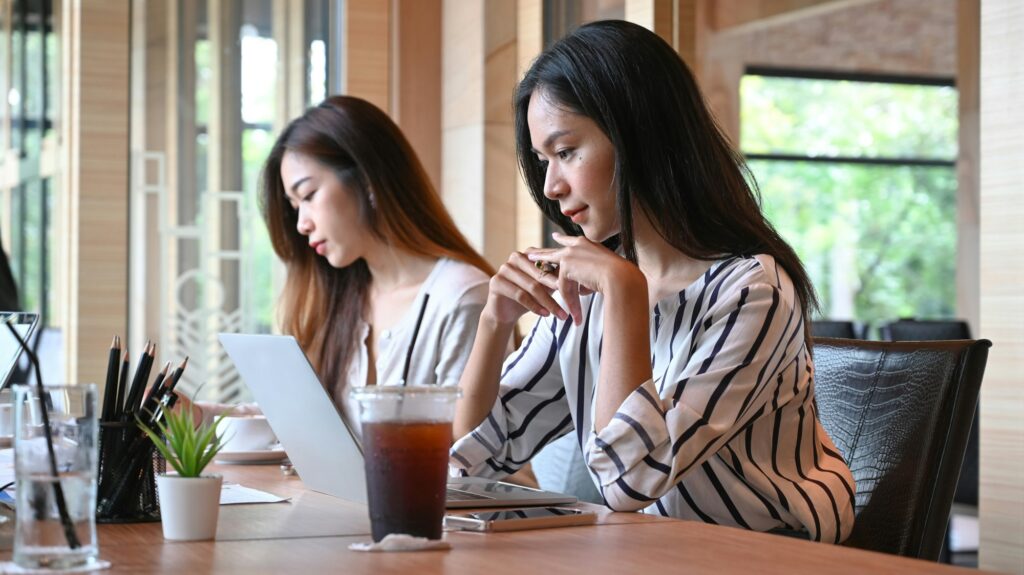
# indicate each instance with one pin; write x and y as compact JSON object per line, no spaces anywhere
{"x":521,"y":518}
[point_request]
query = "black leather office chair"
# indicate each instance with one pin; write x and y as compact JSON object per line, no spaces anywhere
{"x":833,"y":328}
{"x":900,"y":413}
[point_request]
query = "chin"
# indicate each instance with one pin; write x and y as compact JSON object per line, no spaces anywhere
{"x":596,"y":234}
{"x":340,"y":261}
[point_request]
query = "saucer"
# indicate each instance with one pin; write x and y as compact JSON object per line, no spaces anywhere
{"x":257,"y":456}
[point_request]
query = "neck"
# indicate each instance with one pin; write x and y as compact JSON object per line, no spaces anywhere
{"x":667,"y":269}
{"x":393,"y":268}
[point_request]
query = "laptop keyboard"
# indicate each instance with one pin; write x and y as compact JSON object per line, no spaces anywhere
{"x":460,"y":495}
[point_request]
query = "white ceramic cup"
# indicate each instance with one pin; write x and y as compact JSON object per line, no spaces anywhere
{"x":250,"y":433}
{"x":6,"y":414}
{"x":6,"y":420}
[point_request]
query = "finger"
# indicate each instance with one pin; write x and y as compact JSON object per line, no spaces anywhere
{"x":528,"y":292}
{"x":547,"y":261}
{"x":540,"y":253}
{"x":544,"y":271}
{"x":547,"y":271}
{"x":505,"y":284}
{"x":570,"y":291}
{"x":565,"y":240}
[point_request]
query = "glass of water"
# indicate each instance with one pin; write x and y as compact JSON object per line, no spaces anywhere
{"x":55,"y":511}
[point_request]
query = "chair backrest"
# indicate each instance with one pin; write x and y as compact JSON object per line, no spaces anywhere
{"x":833,"y":328}
{"x":927,"y":330}
{"x":900,"y":413}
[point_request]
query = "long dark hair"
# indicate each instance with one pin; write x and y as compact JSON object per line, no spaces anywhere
{"x":672,"y":160}
{"x":321,"y":305}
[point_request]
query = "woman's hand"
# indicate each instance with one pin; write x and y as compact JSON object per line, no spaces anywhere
{"x":520,"y":286}
{"x":583,"y":267}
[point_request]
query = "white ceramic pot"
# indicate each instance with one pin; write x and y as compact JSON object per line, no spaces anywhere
{"x":189,"y":506}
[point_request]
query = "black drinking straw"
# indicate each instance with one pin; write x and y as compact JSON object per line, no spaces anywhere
{"x":412,"y":344}
{"x":58,"y":491}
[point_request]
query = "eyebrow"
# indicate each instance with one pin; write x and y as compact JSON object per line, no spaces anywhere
{"x":551,"y":138}
{"x":295,"y":185}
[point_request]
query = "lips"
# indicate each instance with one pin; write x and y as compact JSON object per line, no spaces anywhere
{"x":575,"y":215}
{"x":319,"y":247}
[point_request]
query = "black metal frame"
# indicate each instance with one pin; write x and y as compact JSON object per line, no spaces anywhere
{"x":28,"y":17}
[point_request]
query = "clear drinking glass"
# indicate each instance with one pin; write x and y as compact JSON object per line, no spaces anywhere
{"x":407,"y":432}
{"x":55,"y":512}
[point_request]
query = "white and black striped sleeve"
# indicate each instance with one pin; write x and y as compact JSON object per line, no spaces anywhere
{"x":530,"y":411}
{"x":668,"y":427}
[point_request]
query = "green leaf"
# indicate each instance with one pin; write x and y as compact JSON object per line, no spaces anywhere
{"x":186,"y":446}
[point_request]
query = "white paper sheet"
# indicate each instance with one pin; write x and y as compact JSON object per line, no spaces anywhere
{"x":233,"y":494}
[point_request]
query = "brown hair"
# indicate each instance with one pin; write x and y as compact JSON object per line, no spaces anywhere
{"x":322,"y":305}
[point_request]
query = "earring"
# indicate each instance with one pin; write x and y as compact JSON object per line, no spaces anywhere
{"x":373,"y":201}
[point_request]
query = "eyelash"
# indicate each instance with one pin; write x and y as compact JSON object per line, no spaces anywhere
{"x":561,"y":154}
{"x":307,"y":197}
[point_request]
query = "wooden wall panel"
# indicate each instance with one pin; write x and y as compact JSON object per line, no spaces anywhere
{"x":416,"y":98}
{"x":968,"y":49}
{"x":479,"y":64}
{"x":368,"y":51}
{"x":1002,"y":285}
{"x":500,"y":64}
{"x":681,"y":23}
{"x":462,"y":155}
{"x":530,"y":41}
{"x":95,"y":221}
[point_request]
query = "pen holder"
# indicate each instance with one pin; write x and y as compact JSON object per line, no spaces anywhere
{"x":128,"y":466}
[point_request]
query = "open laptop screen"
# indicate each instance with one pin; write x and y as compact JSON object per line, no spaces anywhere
{"x":318,"y":438}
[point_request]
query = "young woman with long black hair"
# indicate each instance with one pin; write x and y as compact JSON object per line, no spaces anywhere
{"x":674,"y":340}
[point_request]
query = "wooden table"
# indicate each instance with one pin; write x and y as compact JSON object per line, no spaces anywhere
{"x":311,"y":534}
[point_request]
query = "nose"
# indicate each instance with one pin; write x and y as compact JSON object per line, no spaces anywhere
{"x":555,"y":185}
{"x":304,"y":224}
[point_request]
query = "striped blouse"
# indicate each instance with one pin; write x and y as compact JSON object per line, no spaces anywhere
{"x":727,"y":430}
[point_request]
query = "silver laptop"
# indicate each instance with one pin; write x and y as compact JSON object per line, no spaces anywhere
{"x":317,"y":437}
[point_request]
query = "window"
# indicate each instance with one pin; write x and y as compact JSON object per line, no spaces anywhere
{"x":203,"y":263}
{"x":858,"y":174}
{"x":28,"y":116}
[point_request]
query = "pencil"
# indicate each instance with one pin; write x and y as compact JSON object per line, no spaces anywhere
{"x":110,"y":388}
{"x":122,"y":381}
{"x":150,"y":358}
{"x":177,"y":375}
{"x":138,"y":380}
{"x":155,"y":392}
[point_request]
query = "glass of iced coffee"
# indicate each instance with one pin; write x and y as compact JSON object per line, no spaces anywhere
{"x":407,"y":431}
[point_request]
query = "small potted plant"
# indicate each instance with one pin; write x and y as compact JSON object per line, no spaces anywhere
{"x":189,"y":501}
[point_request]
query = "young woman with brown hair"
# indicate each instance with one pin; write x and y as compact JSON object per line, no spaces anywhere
{"x":372,"y":256}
